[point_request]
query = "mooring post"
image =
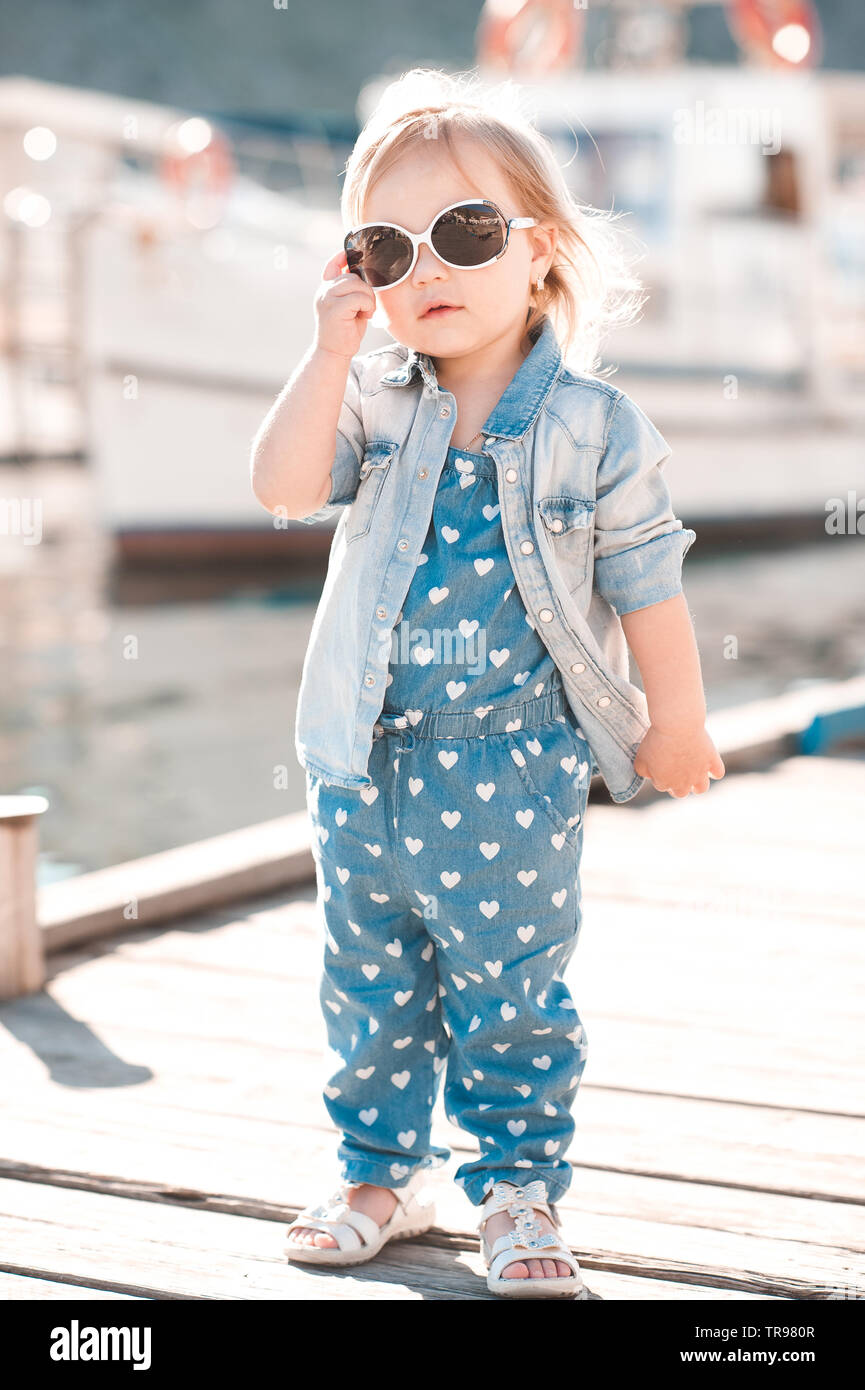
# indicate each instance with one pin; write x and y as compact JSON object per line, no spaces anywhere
{"x":22,"y":956}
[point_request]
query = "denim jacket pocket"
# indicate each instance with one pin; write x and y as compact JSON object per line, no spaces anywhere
{"x":376,"y":461}
{"x":569,"y":522}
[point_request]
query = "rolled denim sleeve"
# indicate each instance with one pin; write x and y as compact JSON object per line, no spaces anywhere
{"x":350,"y":445}
{"x":639,"y":542}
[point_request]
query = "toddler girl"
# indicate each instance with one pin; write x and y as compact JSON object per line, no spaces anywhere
{"x":503,"y":525}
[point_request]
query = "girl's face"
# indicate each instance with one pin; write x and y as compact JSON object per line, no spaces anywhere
{"x":493,"y":300}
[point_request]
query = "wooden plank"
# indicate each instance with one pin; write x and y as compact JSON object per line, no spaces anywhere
{"x":20,"y":1288}
{"x":653,"y":931}
{"x":619,"y":1288}
{"x":741,"y":1011}
{"x":640,"y":1056}
{"x":150,"y":1250}
{"x":684,"y":991}
{"x":194,"y":877}
{"x":785,"y":840}
{"x":238,"y":1177}
{"x":620,"y":1222}
{"x":715,"y":971}
{"x":762,"y":1149}
{"x":281,"y":939}
{"x":180,"y":1072}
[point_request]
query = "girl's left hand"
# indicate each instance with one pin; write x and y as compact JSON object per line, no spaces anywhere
{"x":679,"y":763}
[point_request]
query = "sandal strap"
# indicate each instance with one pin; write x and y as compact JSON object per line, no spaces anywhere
{"x":366,"y":1225}
{"x":346,"y":1236}
{"x":518,"y":1202}
{"x":527,"y":1236}
{"x":505,"y":1257}
{"x":519,"y":1240}
{"x":338,"y":1219}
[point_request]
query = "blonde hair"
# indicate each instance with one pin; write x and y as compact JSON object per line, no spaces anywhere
{"x":590,"y":288}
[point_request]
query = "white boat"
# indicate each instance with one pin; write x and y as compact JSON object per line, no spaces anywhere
{"x":177,"y":313}
{"x":746,"y":187}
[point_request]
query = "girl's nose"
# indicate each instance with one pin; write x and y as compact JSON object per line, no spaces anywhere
{"x":427,"y":264}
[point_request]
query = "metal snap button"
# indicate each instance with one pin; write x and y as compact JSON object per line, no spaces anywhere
{"x":604,"y":700}
{"x":380,"y":612}
{"x":578,"y":667}
{"x":558,"y":524}
{"x":402,"y":545}
{"x":369,"y":678}
{"x":526,"y":547}
{"x":511,"y":475}
{"x":421,"y":472}
{"x":445,"y":411}
{"x":546,"y":615}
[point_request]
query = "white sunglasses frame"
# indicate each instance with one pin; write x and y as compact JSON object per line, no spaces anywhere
{"x":424,"y":238}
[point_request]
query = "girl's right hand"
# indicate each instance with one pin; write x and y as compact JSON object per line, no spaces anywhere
{"x":343,"y":306}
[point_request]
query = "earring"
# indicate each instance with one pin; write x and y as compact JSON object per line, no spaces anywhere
{"x":539,"y":283}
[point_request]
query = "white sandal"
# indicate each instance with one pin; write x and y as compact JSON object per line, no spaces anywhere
{"x":527,"y":1242}
{"x":358,"y":1236}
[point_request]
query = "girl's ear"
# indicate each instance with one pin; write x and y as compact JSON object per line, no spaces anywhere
{"x":545,"y":240}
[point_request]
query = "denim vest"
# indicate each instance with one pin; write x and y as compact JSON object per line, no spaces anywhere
{"x":588,"y":525}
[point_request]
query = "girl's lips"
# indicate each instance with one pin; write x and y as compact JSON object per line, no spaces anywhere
{"x":443,"y":309}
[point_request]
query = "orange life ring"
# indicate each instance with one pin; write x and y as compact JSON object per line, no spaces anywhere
{"x":529,"y":36}
{"x":755,"y":23}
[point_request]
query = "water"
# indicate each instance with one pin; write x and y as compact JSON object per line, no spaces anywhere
{"x":150,"y":724}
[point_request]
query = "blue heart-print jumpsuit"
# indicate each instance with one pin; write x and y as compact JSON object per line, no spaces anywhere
{"x":449,"y":888}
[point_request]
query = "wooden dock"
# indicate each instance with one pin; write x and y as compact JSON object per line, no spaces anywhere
{"x":161,"y":1097}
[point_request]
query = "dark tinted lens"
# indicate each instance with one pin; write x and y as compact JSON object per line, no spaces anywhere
{"x":379,"y":255}
{"x":469,"y":235}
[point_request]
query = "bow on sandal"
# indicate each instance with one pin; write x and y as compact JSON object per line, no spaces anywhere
{"x":527,"y":1242}
{"x":358,"y":1236}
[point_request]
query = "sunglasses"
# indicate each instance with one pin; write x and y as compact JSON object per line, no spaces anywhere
{"x":466,"y":236}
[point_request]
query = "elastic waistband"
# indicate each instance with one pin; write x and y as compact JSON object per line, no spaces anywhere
{"x":468,"y":724}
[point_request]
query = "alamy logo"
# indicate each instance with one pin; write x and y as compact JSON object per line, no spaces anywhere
{"x":77,"y":1343}
{"x":462,"y":646}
